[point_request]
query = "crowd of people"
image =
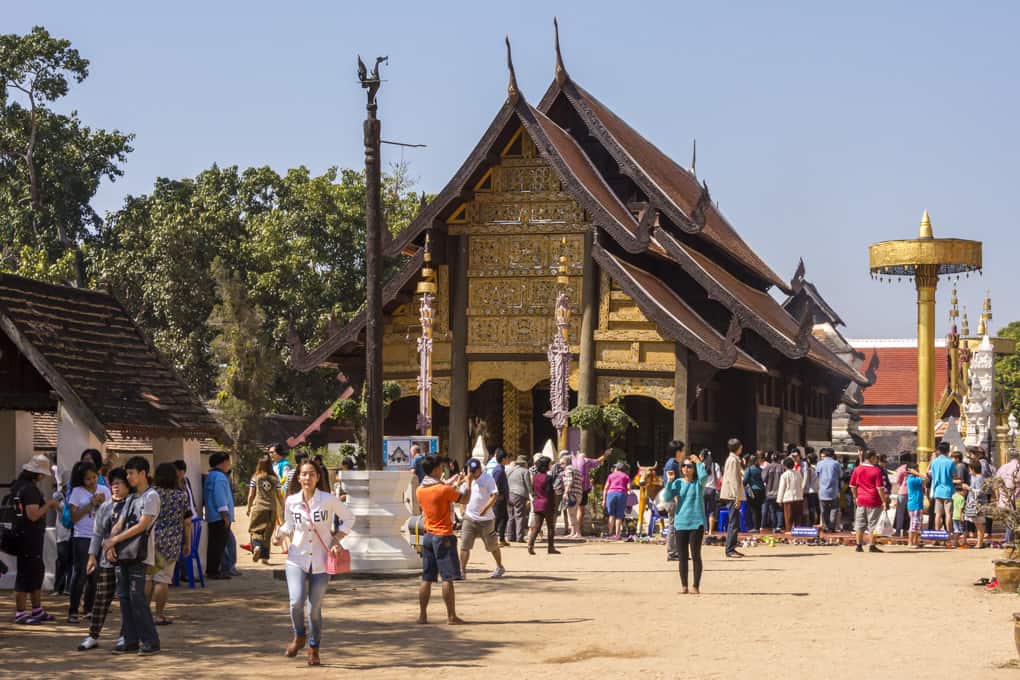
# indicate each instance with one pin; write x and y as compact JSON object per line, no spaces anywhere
{"x":122,"y":531}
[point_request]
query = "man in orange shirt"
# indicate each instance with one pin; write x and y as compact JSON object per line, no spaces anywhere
{"x":439,"y":546}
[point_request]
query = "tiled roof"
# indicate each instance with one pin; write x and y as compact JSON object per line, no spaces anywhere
{"x":896,"y":375}
{"x":900,"y":420}
{"x":104,"y":368}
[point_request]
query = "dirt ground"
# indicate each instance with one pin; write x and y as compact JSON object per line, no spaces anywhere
{"x":597,"y":609}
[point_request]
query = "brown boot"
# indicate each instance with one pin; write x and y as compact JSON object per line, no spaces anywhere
{"x":295,"y":646}
{"x":313,"y":656}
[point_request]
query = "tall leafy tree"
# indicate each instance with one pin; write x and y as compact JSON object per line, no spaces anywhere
{"x":1007,"y":368}
{"x":248,"y":363}
{"x":296,"y":242}
{"x":51,"y":164}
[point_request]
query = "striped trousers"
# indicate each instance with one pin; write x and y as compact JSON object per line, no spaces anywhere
{"x":106,"y":590}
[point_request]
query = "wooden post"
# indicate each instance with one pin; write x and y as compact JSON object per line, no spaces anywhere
{"x":373,"y":298}
{"x":458,"y":351}
{"x":586,"y":389}
{"x":680,"y":411}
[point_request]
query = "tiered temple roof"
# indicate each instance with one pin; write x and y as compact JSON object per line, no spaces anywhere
{"x":657,"y":233}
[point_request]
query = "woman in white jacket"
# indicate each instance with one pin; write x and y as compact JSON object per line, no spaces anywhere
{"x":791,"y":494}
{"x":308,"y":522}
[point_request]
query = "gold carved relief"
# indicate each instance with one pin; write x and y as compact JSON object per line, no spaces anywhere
{"x":511,"y":419}
{"x":440,"y":389}
{"x":613,"y":387}
{"x":523,"y":255}
{"x":524,"y":375}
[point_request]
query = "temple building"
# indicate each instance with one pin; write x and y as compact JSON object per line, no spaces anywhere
{"x":970,"y":408}
{"x":671,"y":310}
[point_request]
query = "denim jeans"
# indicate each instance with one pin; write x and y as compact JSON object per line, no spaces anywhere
{"x":732,"y":527}
{"x":829,"y":512}
{"x":773,"y":518}
{"x":229,"y":554}
{"x":303,"y":587}
{"x":134,"y":607}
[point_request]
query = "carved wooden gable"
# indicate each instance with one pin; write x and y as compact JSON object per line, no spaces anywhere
{"x":626,"y":339}
{"x":518,"y":223}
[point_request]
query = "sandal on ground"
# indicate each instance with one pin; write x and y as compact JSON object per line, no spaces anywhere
{"x":162,"y":621}
{"x":982,"y":582}
{"x":313,"y":656}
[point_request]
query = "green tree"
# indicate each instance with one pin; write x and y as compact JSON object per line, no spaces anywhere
{"x":248,"y":363}
{"x":1007,"y":368}
{"x":295,"y":240}
{"x":51,"y":164}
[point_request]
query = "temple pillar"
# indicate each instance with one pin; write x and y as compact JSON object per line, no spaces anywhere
{"x":73,"y":437}
{"x":458,"y":353}
{"x":680,"y":411}
{"x":17,"y":432}
{"x":586,"y":393}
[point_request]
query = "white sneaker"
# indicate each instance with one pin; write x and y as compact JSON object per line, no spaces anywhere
{"x":88,"y":643}
{"x":498,"y":573}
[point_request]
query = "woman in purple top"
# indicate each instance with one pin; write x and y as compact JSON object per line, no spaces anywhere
{"x":543,"y":506}
{"x":617,"y":485}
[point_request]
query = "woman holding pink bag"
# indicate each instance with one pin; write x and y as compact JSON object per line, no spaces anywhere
{"x":315,"y":553}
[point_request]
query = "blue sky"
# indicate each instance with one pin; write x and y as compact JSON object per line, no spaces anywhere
{"x":821,"y":127}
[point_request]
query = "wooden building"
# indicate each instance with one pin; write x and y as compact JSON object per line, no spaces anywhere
{"x":671,"y":310}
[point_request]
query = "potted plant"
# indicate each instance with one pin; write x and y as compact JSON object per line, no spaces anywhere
{"x":1005,"y":509}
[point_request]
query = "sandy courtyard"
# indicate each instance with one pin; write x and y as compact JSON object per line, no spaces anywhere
{"x":598,"y":609}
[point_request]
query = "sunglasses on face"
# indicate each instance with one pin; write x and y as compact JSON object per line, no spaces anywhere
{"x":688,"y":465}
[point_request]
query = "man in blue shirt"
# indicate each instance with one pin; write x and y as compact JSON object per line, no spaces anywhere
{"x":674,"y":457}
{"x":219,"y":513}
{"x":942,"y":487}
{"x":829,"y":475}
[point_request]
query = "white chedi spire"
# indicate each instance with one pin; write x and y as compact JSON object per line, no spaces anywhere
{"x":979,"y":406}
{"x":480,"y":452}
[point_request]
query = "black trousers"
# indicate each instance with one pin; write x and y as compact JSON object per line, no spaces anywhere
{"x":214,"y":550}
{"x":754,"y":505}
{"x":830,"y":509}
{"x":80,"y":581}
{"x":811,"y":508}
{"x":689,"y":540}
{"x":62,"y":578}
{"x":549,"y":517}
{"x":502,"y":517}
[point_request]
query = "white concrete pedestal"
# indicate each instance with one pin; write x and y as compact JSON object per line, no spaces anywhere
{"x":378,"y":544}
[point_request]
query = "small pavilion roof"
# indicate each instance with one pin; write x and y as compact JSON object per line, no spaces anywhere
{"x":99,"y":363}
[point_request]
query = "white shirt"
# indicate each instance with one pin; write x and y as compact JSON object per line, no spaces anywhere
{"x":791,"y":487}
{"x":81,"y":497}
{"x":307,"y":550}
{"x":482,"y":489}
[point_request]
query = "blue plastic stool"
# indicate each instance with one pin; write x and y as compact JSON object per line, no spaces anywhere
{"x":192,"y":563}
{"x":724,"y":520}
{"x":744,"y":516}
{"x":654,"y":517}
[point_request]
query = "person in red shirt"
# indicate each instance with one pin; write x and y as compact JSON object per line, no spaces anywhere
{"x":439,"y":546}
{"x":868,"y":486}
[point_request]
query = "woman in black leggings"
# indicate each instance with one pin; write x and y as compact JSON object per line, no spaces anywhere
{"x":689,"y":520}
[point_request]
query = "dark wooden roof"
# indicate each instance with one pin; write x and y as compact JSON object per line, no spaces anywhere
{"x":807,"y":298}
{"x":673,"y":316}
{"x":671,"y":188}
{"x":678,"y":223}
{"x":99,"y":362}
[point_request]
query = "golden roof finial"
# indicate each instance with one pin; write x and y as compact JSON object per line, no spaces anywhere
{"x":562,"y":279}
{"x":965,"y":326}
{"x":954,"y":301}
{"x":512,"y":92}
{"x":986,"y":314}
{"x":428,"y":275}
{"x":561,"y":70}
{"x":925,"y":231}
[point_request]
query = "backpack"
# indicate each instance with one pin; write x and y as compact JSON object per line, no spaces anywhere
{"x":557,"y":480}
{"x":12,"y":513}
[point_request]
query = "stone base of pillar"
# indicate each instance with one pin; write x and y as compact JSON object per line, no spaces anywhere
{"x":378,"y":544}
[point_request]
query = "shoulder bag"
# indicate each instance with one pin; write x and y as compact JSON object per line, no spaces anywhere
{"x":335,"y":564}
{"x":135,"y":549}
